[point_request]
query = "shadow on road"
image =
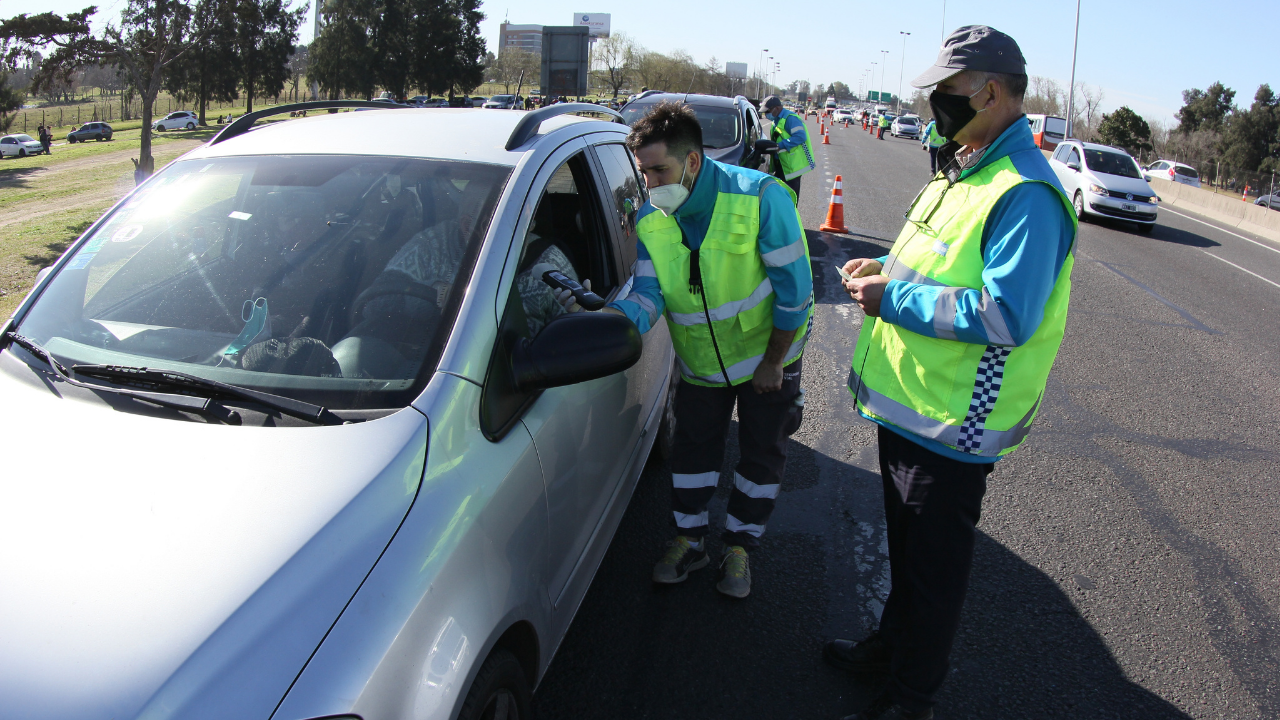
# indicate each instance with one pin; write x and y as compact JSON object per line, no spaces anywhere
{"x":827,"y":250}
{"x":637,"y":650}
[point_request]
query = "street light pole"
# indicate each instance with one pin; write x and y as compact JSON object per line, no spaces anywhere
{"x":873,"y":79}
{"x":904,"y":35}
{"x":759,"y":60}
{"x":944,"y":21}
{"x":1071,"y":93}
{"x":883,"y":67}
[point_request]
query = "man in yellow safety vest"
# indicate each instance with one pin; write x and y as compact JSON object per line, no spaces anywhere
{"x":964,"y":318}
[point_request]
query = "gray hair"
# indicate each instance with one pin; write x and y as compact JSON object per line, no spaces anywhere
{"x":1015,"y":85}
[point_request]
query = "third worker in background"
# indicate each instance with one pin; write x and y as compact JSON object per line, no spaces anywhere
{"x":964,"y":319}
{"x":930,"y":140}
{"x":795,"y":150}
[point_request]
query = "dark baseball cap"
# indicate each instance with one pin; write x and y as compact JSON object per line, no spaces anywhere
{"x":974,"y":47}
{"x":771,"y":102}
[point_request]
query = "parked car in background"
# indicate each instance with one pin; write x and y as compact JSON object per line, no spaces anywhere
{"x":906,"y":126}
{"x":425,"y":457}
{"x":1175,"y":171}
{"x":730,"y":126}
{"x":843,"y":115}
{"x":1271,"y":201}
{"x":477,"y":101}
{"x":19,"y":145}
{"x":1047,"y":130}
{"x":504,"y":102}
{"x":177,"y":120}
{"x":1106,"y":182}
{"x":90,"y":131}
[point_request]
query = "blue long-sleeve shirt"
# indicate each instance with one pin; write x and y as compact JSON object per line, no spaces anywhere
{"x":794,"y":126}
{"x":1024,"y":246}
{"x":781,"y":244}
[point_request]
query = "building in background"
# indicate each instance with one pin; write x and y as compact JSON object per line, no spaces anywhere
{"x":520,"y":37}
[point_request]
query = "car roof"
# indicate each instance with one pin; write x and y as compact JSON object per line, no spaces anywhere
{"x":470,"y":134}
{"x":1097,"y":146}
{"x":694,"y":99}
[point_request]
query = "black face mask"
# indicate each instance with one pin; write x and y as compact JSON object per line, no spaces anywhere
{"x":952,"y":112}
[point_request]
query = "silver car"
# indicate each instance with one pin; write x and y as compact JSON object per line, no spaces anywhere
{"x":296,"y":433}
{"x":1103,"y":181}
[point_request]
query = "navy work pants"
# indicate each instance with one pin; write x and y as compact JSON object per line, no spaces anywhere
{"x":931,"y":506}
{"x":765,"y":422}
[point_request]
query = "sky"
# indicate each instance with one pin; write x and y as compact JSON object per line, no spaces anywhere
{"x":1142,"y":54}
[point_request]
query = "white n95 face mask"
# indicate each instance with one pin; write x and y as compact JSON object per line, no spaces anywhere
{"x":668,"y":198}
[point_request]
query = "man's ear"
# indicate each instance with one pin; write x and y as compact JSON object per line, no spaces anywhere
{"x":696,"y":163}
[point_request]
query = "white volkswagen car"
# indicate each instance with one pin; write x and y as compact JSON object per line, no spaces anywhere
{"x":1174,"y":171}
{"x":177,"y":120}
{"x":296,"y":431}
{"x":19,"y":145}
{"x":1103,"y":181}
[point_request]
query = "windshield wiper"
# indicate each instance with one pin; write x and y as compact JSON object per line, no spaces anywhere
{"x":180,"y":402}
{"x":174,"y":379}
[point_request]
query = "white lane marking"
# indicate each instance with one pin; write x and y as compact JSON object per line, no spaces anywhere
{"x":1215,"y":257}
{"x":1215,"y":227}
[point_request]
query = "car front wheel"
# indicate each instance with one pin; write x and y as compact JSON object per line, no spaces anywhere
{"x":500,"y":691}
{"x":191,"y":126}
{"x":22,"y":152}
{"x":1078,"y":202}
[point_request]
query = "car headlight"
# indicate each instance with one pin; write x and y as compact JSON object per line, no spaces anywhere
{"x":1097,"y":189}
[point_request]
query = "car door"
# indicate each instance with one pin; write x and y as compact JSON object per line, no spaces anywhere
{"x":1070,"y":178}
{"x":585,"y":433}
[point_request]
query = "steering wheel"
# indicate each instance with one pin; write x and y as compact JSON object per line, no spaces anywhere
{"x":409,"y":287}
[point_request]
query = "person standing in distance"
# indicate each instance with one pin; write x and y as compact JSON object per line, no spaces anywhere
{"x":964,"y":319}
{"x":795,"y":150}
{"x":930,"y":140}
{"x":722,"y":254}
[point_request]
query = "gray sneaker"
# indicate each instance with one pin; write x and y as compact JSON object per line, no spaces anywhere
{"x":735,"y":572}
{"x":681,"y":558}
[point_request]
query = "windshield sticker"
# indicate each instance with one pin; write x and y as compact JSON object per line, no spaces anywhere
{"x":237,"y":215}
{"x":126,"y":233}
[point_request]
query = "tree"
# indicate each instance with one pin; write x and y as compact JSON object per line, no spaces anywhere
{"x":840,"y":91}
{"x":265,"y":33}
{"x":1251,"y":141}
{"x":207,"y":71}
{"x":297,"y":69}
{"x":342,"y":58}
{"x":1125,"y":129}
{"x":1205,"y":109}
{"x":512,"y":65}
{"x":152,"y":34}
{"x":1044,"y":97}
{"x":10,"y":100}
{"x":615,"y":56}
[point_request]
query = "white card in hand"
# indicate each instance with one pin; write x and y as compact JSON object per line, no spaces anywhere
{"x":843,"y":275}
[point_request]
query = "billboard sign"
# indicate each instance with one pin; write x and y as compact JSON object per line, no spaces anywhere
{"x":597,"y":23}
{"x":737,"y":71}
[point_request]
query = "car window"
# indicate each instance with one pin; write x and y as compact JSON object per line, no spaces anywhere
{"x":1111,"y":163}
{"x":1185,"y":171}
{"x":624,"y":184}
{"x":330,"y":279}
{"x":1074,"y":157}
{"x":1061,"y":153}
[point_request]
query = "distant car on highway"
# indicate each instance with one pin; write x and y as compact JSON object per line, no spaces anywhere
{"x":1271,"y":201}
{"x":184,"y":119}
{"x":730,"y":126}
{"x":19,"y":145}
{"x":1104,"y":181}
{"x":1175,"y":171}
{"x":1047,"y":130}
{"x":90,"y":131}
{"x":503,"y":102}
{"x":906,"y":126}
{"x":843,"y":115}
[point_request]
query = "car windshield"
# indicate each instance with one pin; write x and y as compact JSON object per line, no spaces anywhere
{"x":1185,"y":171}
{"x":720,"y":125}
{"x":906,"y":121}
{"x":1111,"y":163}
{"x":24,"y":138}
{"x":500,"y":98}
{"x":328,"y":279}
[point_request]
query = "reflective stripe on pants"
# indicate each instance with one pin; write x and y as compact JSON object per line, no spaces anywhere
{"x":765,"y":422}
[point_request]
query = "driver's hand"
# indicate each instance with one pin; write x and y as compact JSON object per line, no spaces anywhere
{"x":862,"y":267}
{"x":568,"y":301}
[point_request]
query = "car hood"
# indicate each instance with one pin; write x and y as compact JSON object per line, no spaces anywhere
{"x":1137,"y":186}
{"x":162,"y":568}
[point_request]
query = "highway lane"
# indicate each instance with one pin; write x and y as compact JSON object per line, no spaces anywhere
{"x":1127,"y":556}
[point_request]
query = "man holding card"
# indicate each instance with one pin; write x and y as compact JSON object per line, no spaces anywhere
{"x":964,"y":319}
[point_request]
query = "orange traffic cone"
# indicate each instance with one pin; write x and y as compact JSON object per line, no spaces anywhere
{"x":826,"y":139}
{"x":1245,"y":196}
{"x":835,"y":211}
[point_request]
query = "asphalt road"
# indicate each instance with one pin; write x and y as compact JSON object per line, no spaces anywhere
{"x":1128,"y":556}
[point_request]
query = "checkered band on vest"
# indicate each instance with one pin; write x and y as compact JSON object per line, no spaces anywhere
{"x":985,"y":391}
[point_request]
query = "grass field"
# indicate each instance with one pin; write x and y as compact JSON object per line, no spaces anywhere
{"x":47,"y":201}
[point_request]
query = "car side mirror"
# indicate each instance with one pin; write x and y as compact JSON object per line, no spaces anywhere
{"x":1074,"y":166}
{"x":575,"y":348}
